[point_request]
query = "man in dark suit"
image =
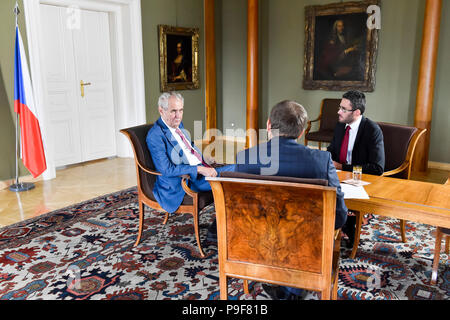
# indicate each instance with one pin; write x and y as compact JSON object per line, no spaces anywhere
{"x":174,"y":155}
{"x":283,"y":156}
{"x":365,"y":146}
{"x":357,"y":141}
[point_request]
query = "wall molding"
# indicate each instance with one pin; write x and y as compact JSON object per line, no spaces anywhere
{"x":439,"y":165}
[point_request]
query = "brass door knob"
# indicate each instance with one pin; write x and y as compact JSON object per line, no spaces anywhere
{"x":82,"y":85}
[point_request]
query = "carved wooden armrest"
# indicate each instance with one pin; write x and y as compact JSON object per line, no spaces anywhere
{"x":144,"y":168}
{"x":310,"y":125}
{"x":403,"y":167}
{"x":189,"y":191}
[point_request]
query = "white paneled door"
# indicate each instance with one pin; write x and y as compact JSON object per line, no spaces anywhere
{"x":78,"y":100}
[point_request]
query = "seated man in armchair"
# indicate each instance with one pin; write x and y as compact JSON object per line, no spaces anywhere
{"x":285,"y":125}
{"x":175,"y":155}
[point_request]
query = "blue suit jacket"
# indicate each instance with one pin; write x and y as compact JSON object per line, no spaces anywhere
{"x":285,"y":157}
{"x":170,"y":161}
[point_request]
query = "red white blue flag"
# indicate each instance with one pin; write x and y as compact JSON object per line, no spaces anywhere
{"x":32,"y":150}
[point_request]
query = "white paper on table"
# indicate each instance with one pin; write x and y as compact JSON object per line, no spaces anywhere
{"x":353,"y":192}
{"x":357,"y":183}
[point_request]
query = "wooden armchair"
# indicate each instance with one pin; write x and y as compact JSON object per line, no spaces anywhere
{"x":277,"y":230}
{"x":327,"y":119}
{"x":193,"y":202}
{"x":399,"y":145}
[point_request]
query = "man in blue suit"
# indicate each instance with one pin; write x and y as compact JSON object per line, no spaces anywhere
{"x":174,"y":155}
{"x":283,"y":156}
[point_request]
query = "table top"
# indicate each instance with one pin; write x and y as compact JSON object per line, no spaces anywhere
{"x":406,"y":191}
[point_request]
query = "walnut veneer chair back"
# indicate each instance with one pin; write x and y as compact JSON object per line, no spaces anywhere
{"x":146,"y":174}
{"x":279,"y":232}
{"x":327,"y":119}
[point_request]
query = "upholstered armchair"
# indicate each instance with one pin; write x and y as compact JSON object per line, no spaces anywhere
{"x":399,"y":146}
{"x":327,"y":119}
{"x":146,"y":173}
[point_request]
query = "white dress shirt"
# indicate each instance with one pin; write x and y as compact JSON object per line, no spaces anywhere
{"x":193,"y":161}
{"x":352,"y":137}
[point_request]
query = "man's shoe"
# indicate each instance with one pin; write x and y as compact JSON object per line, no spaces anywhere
{"x":275,"y":292}
{"x":213,"y":227}
{"x":299,"y":294}
{"x":349,"y":229}
{"x":211,"y":236}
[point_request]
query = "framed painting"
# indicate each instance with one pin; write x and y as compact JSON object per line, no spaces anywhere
{"x":340,"y":47}
{"x":178,"y":58}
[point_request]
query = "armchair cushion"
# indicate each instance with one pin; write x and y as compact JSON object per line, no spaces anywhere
{"x":138,"y":135}
{"x":323,"y":135}
{"x":396,"y":142}
{"x":329,"y":117}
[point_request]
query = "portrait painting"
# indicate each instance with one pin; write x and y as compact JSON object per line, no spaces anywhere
{"x":178,"y":53}
{"x":340,"y":48}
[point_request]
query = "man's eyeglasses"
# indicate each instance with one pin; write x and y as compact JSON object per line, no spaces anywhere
{"x":345,"y":110}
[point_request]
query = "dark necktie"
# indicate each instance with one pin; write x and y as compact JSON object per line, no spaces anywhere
{"x":193,"y":151}
{"x":344,"y":147}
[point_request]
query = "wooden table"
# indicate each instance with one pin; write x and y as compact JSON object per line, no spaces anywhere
{"x":410,"y":200}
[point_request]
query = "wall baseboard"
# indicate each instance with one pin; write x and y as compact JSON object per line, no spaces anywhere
{"x":29,"y":179}
{"x":439,"y":165}
{"x":6,"y":183}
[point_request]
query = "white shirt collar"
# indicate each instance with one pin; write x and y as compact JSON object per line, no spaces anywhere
{"x":171,"y":129}
{"x":355,"y":125}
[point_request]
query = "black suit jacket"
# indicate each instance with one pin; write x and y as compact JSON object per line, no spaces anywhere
{"x":368,"y":150}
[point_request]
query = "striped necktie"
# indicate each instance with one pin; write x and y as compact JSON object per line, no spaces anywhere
{"x":188,"y":145}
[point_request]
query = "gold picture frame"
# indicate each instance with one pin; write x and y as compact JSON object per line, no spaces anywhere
{"x":178,"y":58}
{"x":340,"y":48}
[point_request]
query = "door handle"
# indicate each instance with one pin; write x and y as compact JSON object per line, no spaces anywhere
{"x":82,"y":85}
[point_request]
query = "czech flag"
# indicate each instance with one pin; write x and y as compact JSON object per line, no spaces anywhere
{"x":33,"y":155}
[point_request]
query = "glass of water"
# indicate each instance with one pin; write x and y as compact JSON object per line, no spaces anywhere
{"x":357,"y":173}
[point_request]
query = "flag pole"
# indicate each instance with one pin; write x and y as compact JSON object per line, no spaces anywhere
{"x":18,"y":186}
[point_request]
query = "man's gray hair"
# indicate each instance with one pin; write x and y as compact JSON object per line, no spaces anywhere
{"x":163,"y":100}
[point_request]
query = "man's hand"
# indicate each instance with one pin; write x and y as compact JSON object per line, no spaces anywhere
{"x":209,"y":160}
{"x":337,"y":165}
{"x":207,"y":172}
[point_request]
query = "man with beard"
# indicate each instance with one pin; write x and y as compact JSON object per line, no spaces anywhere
{"x":359,"y":141}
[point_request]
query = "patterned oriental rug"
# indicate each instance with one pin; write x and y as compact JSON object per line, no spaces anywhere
{"x":85,"y":252}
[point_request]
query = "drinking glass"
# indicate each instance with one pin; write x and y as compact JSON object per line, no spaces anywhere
{"x":357,"y":173}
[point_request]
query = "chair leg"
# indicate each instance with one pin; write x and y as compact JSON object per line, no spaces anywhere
{"x":166,"y":218}
{"x":223,"y":287}
{"x":447,"y":244}
{"x":197,"y":234}
{"x":334,"y":288}
{"x":326,"y":294}
{"x":141,"y":222}
{"x":403,"y":230}
{"x":246,"y":291}
{"x":320,"y":145}
{"x":437,"y":252}
{"x":359,"y":219}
